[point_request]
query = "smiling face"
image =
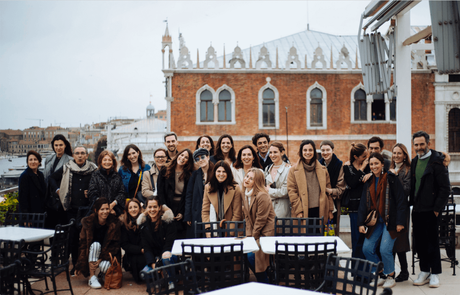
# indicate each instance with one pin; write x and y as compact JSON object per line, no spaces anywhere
{"x":308,"y":152}
{"x":275,"y":155}
{"x":226,"y":145}
{"x":153,"y":209}
{"x":221,"y":175}
{"x":133,"y":209}
{"x":80,"y":155}
{"x":59,"y":148}
{"x":133,"y":156}
{"x":420,"y":146}
{"x":398,"y":155}
{"x":171,"y":143}
{"x":374,"y":147}
{"x":247,"y":157}
{"x":376,"y":166}
{"x":33,"y":163}
{"x":182,"y":159}
{"x":107,"y":162}
{"x":248,"y":182}
{"x":359,"y":160}
{"x":160,"y":159}
{"x":262,"y":145}
{"x":205,"y":143}
{"x":326,"y":152}
{"x":103,"y":212}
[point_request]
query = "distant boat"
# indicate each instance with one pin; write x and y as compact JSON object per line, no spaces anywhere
{"x":9,"y":160}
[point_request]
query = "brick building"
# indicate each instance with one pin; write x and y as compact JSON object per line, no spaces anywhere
{"x":7,"y":136}
{"x":304,"y":86}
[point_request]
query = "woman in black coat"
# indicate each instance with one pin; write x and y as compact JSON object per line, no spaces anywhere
{"x":172,"y":187}
{"x":32,"y":186}
{"x":195,"y":190}
{"x":106,"y":182}
{"x":134,"y":259}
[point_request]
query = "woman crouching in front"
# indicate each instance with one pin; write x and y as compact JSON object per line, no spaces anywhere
{"x":158,"y":232}
{"x":384,"y":193}
{"x":99,"y":236}
{"x":260,"y":219}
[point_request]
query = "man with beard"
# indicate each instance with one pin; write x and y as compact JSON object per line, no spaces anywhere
{"x":171,"y":144}
{"x":71,"y":183}
{"x":430,"y":187}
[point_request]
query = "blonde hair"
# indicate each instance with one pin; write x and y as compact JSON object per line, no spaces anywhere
{"x":259,"y":181}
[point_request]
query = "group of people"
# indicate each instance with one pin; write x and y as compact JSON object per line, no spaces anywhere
{"x":143,"y":208}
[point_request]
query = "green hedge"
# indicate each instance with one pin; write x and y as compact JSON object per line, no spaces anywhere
{"x":9,"y":204}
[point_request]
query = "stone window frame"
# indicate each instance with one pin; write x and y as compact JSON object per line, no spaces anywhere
{"x":324,"y":106}
{"x":277,"y":105}
{"x":215,"y":101}
{"x":370,"y":100}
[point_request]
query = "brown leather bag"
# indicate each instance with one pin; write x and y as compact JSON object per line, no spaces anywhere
{"x":114,"y":275}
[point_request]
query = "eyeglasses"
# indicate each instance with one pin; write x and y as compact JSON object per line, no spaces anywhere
{"x":82,"y":153}
{"x":202,"y":157}
{"x":160,"y":157}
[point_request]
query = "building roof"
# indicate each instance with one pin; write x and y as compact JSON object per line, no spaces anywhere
{"x":11,"y":132}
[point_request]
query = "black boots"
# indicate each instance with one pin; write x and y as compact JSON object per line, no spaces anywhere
{"x":403,"y":276}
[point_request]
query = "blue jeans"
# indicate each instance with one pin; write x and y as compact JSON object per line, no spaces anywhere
{"x":357,"y":238}
{"x":173,"y":259}
{"x":386,"y":247}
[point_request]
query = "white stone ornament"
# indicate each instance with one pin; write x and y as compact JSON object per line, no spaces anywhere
{"x":318,"y":56}
{"x":211,"y":57}
{"x":293,"y":57}
{"x":264,"y":56}
{"x":344,"y":57}
{"x":237,"y":56}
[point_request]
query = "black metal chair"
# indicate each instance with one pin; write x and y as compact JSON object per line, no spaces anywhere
{"x":35,"y":220}
{"x":220,"y":228}
{"x":217,"y":266}
{"x":182,"y":275}
{"x":9,"y":278}
{"x":310,"y":226}
{"x":302,"y":265}
{"x":342,"y":273}
{"x":58,"y":255}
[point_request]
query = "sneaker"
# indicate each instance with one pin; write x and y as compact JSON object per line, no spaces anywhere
{"x":434,"y":281}
{"x":72,"y":272}
{"x":423,"y":278}
{"x":382,"y":279}
{"x":389,"y":282}
{"x":94,"y":283}
{"x":170,"y":286}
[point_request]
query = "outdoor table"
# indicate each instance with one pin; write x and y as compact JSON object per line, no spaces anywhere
{"x":259,"y":288}
{"x":27,"y":234}
{"x":249,"y":244}
{"x":267,"y":244}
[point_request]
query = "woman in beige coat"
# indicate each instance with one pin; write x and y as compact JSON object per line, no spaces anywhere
{"x":260,"y":219}
{"x":307,"y":183}
{"x":222,"y":196}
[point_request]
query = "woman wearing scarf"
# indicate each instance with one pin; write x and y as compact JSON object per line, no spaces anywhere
{"x":32,"y":187}
{"x":222,"y":196}
{"x":384,"y":193}
{"x":335,"y":170}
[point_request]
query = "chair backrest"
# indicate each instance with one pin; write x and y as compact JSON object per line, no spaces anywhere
{"x":60,"y":246}
{"x":216,"y":266}
{"x":446,"y":226}
{"x":302,"y":265}
{"x":342,"y":273}
{"x":10,"y":251}
{"x":310,"y":226}
{"x":9,"y":279}
{"x":220,"y":228}
{"x":181,"y":274}
{"x":35,"y":220}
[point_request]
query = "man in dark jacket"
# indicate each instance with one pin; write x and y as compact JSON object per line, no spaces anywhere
{"x":71,"y":183}
{"x":430,"y":187}
{"x":262,"y":143}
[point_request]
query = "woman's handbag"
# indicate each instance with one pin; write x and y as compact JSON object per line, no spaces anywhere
{"x":371,"y":218}
{"x":114,"y":275}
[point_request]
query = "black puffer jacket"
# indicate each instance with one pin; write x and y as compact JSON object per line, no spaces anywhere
{"x":109,"y":186}
{"x":435,"y":184}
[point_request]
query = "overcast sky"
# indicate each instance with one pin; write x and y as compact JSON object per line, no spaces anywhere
{"x":85,"y":61}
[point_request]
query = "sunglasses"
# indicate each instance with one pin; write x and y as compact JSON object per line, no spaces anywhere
{"x":202,"y":157}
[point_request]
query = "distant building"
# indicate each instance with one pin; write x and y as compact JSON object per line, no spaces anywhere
{"x":9,"y":135}
{"x":161,"y":115}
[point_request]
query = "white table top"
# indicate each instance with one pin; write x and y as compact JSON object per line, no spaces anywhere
{"x":268,"y":243}
{"x":249,"y":244}
{"x":260,"y":288}
{"x":28,"y":234}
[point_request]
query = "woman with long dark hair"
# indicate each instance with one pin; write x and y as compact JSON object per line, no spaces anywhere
{"x":132,"y":170}
{"x":225,"y":150}
{"x":195,"y":189}
{"x":99,"y":236}
{"x":307,"y":183}
{"x":172,"y":187}
{"x":106,"y":182}
{"x":260,"y":219}
{"x":400,"y":166}
{"x":62,"y":154}
{"x":222,"y":196}
{"x":385,"y":194}
{"x":32,"y":186}
{"x":205,"y":142}
{"x":247,"y":158}
{"x":134,"y":259}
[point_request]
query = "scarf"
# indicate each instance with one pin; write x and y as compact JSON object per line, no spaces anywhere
{"x":248,"y":195}
{"x":333,"y":168}
{"x":220,"y":200}
{"x":382,"y":196}
{"x":313,"y":186}
{"x":69,"y":169}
